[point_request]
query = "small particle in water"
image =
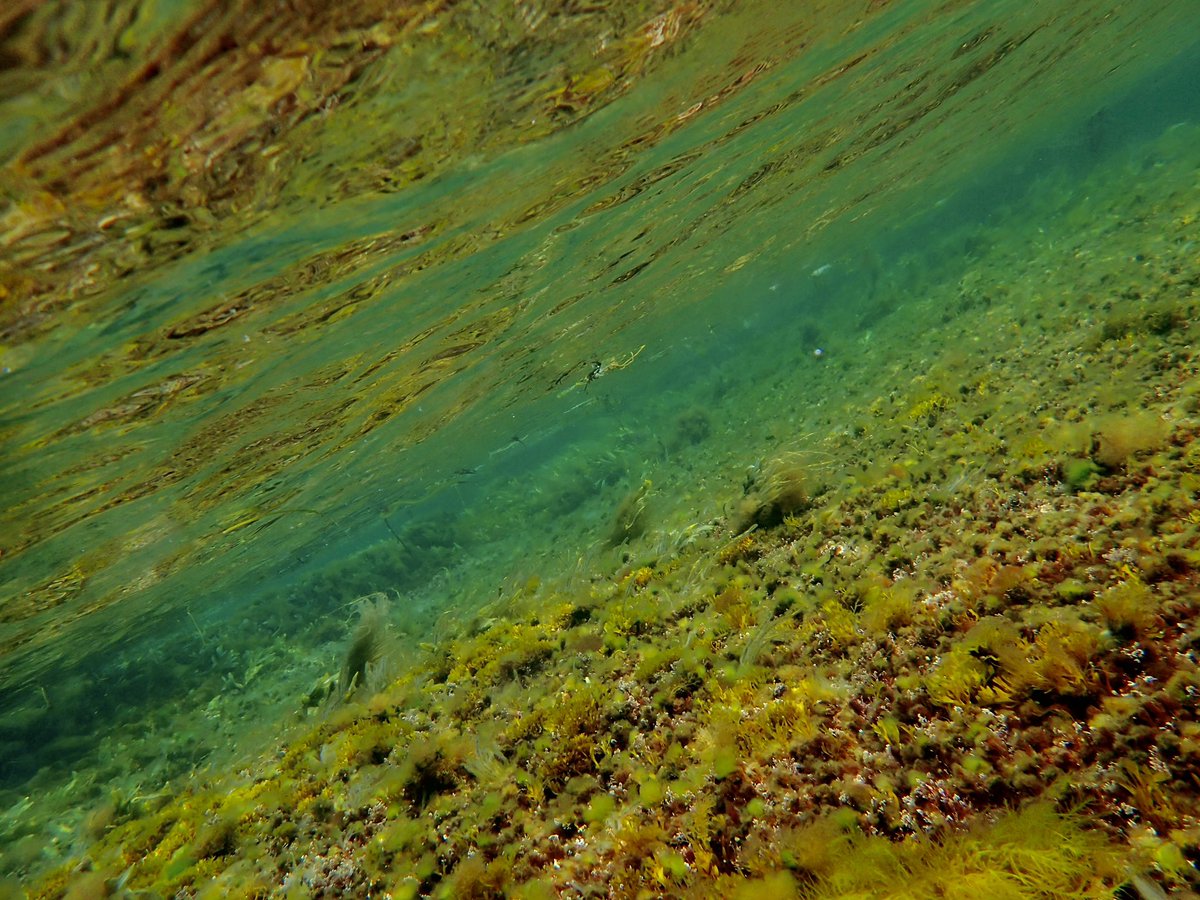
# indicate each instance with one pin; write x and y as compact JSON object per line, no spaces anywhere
{"x":818,"y":353}
{"x":821,"y":270}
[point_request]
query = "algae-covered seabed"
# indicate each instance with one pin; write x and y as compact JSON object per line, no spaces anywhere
{"x":560,"y":449}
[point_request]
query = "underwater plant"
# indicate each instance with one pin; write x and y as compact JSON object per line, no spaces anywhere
{"x":1080,"y":474}
{"x":692,"y":426}
{"x":1103,"y":445}
{"x":367,"y":643}
{"x":780,"y":489}
{"x":1129,"y":608}
{"x":629,"y":521}
{"x":1118,"y":437}
{"x":1034,"y":852}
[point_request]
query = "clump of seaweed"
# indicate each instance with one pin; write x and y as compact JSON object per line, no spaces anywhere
{"x":994,"y":664}
{"x":1129,"y":608}
{"x":367,"y":644}
{"x":1032,"y":853}
{"x":629,"y":521}
{"x":1080,"y":474}
{"x":431,"y":766}
{"x":1117,"y":438}
{"x":692,"y":426}
{"x":1107,"y":444}
{"x":1146,"y":318}
{"x":782,"y":488}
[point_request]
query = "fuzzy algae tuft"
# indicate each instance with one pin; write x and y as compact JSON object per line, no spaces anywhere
{"x":366,"y":647}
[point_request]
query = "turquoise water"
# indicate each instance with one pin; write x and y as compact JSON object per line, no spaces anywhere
{"x":444,"y":391}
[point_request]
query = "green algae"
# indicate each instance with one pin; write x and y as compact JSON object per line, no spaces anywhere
{"x":1080,"y":474}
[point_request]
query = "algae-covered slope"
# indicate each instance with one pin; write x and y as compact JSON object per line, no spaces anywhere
{"x":936,"y":637}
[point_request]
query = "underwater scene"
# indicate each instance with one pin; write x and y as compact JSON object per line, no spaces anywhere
{"x":545,"y":448}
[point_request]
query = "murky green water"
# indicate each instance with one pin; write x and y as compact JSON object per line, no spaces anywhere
{"x":433,"y":349}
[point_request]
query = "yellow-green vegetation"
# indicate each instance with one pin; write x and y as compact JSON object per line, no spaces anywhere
{"x":629,"y":521}
{"x":1034,"y":853}
{"x":994,"y":663}
{"x":781,"y":489}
